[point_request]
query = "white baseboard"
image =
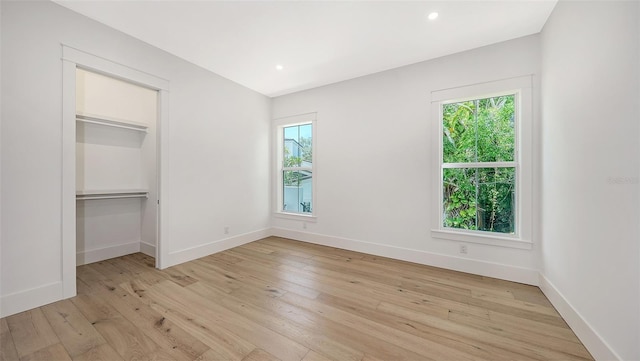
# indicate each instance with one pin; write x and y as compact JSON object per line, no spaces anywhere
{"x":100,"y":254}
{"x":189,"y":254}
{"x":598,"y":348}
{"x":148,"y":249}
{"x":31,"y":298}
{"x":488,"y":269}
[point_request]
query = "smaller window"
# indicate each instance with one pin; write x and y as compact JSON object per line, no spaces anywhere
{"x":295,"y":173}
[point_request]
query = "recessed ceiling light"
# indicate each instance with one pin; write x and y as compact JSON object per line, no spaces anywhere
{"x":432,"y":16}
{"x":279,"y":67}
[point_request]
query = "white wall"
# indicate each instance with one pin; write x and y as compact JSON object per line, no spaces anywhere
{"x":590,"y":63}
{"x":374,"y":161}
{"x":208,"y":172}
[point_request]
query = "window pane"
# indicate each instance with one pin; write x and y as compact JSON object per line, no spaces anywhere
{"x":297,"y":146}
{"x":481,"y":130}
{"x":459,"y":132}
{"x":297,"y":191}
{"x":479,"y":199}
{"x":496,"y":129}
{"x":459,"y":198}
{"x":496,"y":200}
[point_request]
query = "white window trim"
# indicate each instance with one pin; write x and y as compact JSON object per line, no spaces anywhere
{"x":278,"y":125}
{"x":522,"y":87}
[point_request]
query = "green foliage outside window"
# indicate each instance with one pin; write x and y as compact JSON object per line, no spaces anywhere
{"x":290,"y":177}
{"x":477,"y":131}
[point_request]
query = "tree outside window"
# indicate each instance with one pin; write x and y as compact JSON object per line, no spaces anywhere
{"x":297,"y":169}
{"x":479,"y":164}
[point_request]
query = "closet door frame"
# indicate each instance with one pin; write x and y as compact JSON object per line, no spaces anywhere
{"x":72,"y":59}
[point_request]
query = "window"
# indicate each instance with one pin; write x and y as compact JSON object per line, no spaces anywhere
{"x":478,"y":164}
{"x":295,"y":156}
{"x":484,"y":188}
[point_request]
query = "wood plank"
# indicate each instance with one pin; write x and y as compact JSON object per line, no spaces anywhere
{"x":101,"y":353}
{"x":222,"y":257}
{"x":217,"y":355}
{"x":31,"y":332}
{"x":202,"y":271}
{"x":305,"y":336}
{"x":93,"y":275}
{"x":521,"y":334}
{"x":82,"y":288}
{"x":223,"y":344}
{"x":74,"y":331}
{"x":323,"y":284}
{"x":176,"y":275}
{"x":256,"y":274}
{"x":260,"y":355}
{"x":314,"y":356}
{"x":7,"y":347}
{"x":421,"y":346}
{"x":94,"y":308}
{"x":524,"y":348}
{"x":522,"y":305}
{"x":549,"y":316}
{"x":134,"y":268}
{"x":333,"y":330}
{"x":170,"y":295}
{"x":126,"y":338}
{"x":562,"y":332}
{"x":111,"y":271}
{"x":475,"y":348}
{"x":177,"y":343}
{"x":143,"y":259}
{"x":268,"y":259}
{"x":375,"y":290}
{"x":54,"y":352}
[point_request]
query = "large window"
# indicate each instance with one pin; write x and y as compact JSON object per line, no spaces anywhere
{"x":484,"y":167}
{"x":295,"y":142}
{"x":479,"y":164}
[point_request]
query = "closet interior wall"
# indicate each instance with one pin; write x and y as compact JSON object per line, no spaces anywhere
{"x":116,"y":178}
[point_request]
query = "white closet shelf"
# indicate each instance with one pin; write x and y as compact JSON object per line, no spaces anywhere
{"x":111,"y":122}
{"x":111,"y":194}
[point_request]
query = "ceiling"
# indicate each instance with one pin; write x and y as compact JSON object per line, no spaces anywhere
{"x":315,"y":42}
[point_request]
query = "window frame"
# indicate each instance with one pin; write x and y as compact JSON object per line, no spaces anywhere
{"x":278,"y":125}
{"x":521,"y":87}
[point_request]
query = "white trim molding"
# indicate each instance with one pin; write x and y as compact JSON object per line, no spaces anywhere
{"x":203,"y":250}
{"x":27,"y":299}
{"x":522,"y":88}
{"x":595,"y":344}
{"x":101,"y":254}
{"x":278,"y":166}
{"x":148,"y":249}
{"x":482,"y":268}
{"x":72,"y":59}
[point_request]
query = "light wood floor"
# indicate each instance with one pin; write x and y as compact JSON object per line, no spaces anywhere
{"x":278,"y":299}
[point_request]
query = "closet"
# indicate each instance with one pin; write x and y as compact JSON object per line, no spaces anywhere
{"x":116,"y":168}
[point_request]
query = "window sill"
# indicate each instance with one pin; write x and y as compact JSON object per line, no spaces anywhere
{"x":296,"y":217}
{"x":487,"y":239}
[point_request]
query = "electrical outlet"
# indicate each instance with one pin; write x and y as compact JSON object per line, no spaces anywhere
{"x":463,"y":248}
{"x":226,"y":230}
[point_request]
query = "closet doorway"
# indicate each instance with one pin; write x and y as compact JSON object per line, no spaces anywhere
{"x":113,"y":122}
{"x":116,"y":176}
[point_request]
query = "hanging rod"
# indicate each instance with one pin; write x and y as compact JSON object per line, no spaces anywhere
{"x":111,"y":194}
